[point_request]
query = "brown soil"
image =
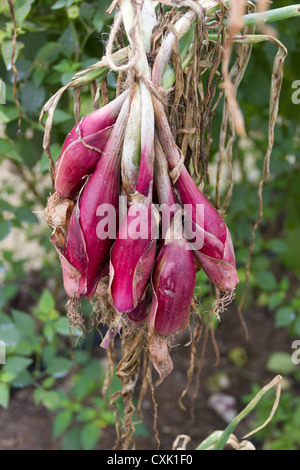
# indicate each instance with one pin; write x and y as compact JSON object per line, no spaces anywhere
{"x":25,"y":426}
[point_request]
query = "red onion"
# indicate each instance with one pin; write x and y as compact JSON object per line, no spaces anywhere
{"x":83,"y":146}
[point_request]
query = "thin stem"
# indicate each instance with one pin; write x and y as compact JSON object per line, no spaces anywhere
{"x":31,"y":184}
{"x":269,"y":16}
{"x":210,"y":440}
{"x":276,"y":382}
{"x":132,"y":19}
{"x":77,"y":50}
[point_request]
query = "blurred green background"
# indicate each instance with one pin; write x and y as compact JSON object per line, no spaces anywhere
{"x":55,"y":40}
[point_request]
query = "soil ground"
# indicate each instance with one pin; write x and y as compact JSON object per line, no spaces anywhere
{"x":25,"y":426}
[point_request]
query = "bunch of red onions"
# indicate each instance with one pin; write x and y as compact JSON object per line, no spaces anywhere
{"x":149,"y":256}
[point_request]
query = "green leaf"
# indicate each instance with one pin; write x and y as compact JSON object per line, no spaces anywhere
{"x":48,"y":382}
{"x":265,"y":280}
{"x":32,"y":97}
{"x":62,"y":326}
{"x":49,"y":52}
{"x":280,"y":363}
{"x":46,"y":302}
{"x":71,"y":440}
{"x":17,"y":364}
{"x":8,"y":114}
{"x":22,"y":9}
{"x":8,"y":150}
{"x":291,"y":259}
{"x":61,"y":116}
{"x":6,"y":206}
{"x":86,"y":414}
{"x":6,"y":50}
{"x":61,"y":422}
{"x":51,"y":399}
{"x":9,"y":334}
{"x":67,"y":43}
{"x":4,"y":395}
{"x":5,"y":226}
{"x":24,"y":322}
{"x":87,"y":11}
{"x":98,"y":21}
{"x":59,"y":4}
{"x":90,"y":435}
{"x":275,"y":300}
{"x":278,"y":246}
{"x":24,"y":379}
{"x":25,"y":214}
{"x":55,"y":151}
{"x":296,"y":326}
{"x":38,"y":76}
{"x":284,"y":316}
{"x":109,"y":418}
{"x":26,"y":347}
{"x":59,"y":367}
{"x":5,"y":319}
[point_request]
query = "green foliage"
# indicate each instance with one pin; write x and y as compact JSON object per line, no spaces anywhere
{"x":80,"y":414}
{"x":34,"y":344}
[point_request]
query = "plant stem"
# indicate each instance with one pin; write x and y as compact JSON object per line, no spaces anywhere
{"x":138,"y":39}
{"x":231,"y":427}
{"x":210,"y":440}
{"x":268,"y":16}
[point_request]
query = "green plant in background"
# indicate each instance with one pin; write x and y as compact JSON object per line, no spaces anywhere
{"x":33,"y":342}
{"x":219,"y":439}
{"x":283,"y":431}
{"x":80,"y":413}
{"x":55,"y":40}
{"x":39,"y":354}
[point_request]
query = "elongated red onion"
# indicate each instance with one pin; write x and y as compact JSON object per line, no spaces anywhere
{"x":173,"y":283}
{"x":92,"y":227}
{"x":83,"y":146}
{"x":213,"y":247}
{"x":133,"y":253}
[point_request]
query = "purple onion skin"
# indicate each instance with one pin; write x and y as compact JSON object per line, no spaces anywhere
{"x":77,"y":160}
{"x":85,"y":249}
{"x":145,"y":178}
{"x":132,"y":261}
{"x":216,"y":257}
{"x":139,"y":313}
{"x":215,"y":252}
{"x":173,"y":282}
{"x":209,"y":221}
{"x":222,"y":272}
